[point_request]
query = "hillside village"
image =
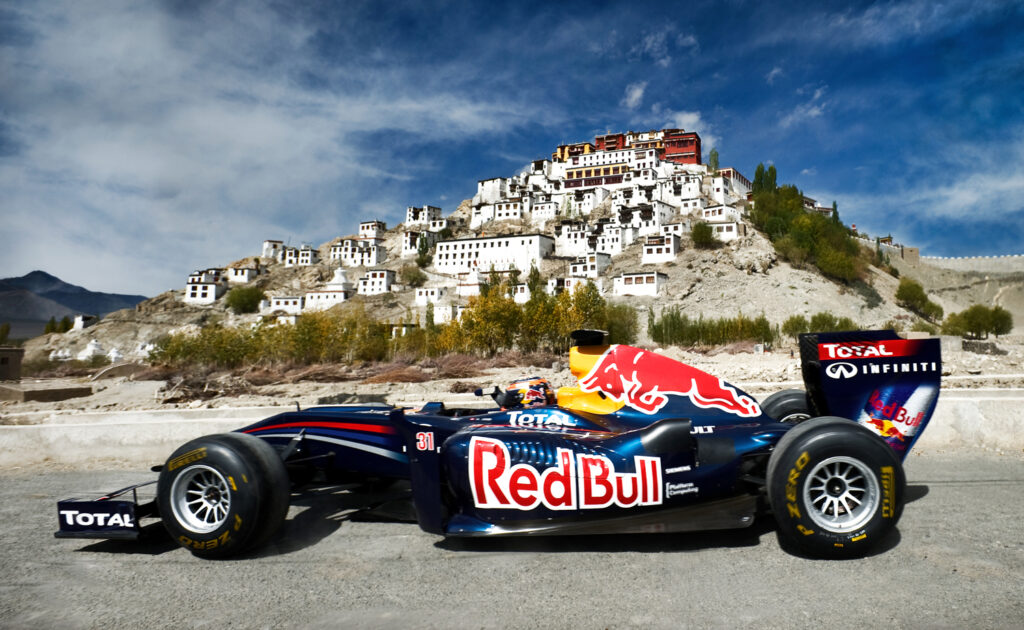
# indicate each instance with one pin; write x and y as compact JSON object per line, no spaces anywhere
{"x":572,"y":217}
{"x":617,"y":211}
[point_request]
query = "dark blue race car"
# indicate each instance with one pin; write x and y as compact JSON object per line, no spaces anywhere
{"x":643,"y":443}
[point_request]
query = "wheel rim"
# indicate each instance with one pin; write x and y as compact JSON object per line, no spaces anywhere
{"x":200,"y":499}
{"x":795,"y":418}
{"x":841,"y":494}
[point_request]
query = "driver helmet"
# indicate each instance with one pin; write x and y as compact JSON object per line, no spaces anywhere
{"x":535,"y":391}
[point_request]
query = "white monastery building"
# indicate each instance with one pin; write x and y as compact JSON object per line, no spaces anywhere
{"x":500,"y":252}
{"x":272,"y":249}
{"x":660,"y":249}
{"x":421,"y":216}
{"x":359,"y":252}
{"x":241,"y":275}
{"x":372,"y":229}
{"x":641,"y":283}
{"x":376,"y":281}
{"x":590,"y":266}
{"x":205,"y":286}
{"x":288,"y":304}
{"x":429,"y":295}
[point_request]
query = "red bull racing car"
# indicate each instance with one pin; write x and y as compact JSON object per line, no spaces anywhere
{"x":642,"y":443}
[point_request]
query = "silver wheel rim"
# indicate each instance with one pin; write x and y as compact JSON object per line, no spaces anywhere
{"x":795,"y":418}
{"x":841,"y":494}
{"x":200,"y":499}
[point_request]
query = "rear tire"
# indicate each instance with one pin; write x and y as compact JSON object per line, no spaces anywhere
{"x":789,"y":406}
{"x":835,"y":488}
{"x":220,"y":495}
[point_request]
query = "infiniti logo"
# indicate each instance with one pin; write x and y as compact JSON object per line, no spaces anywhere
{"x":841,"y":370}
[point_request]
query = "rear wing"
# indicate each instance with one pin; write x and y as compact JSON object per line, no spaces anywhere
{"x":876,"y":378}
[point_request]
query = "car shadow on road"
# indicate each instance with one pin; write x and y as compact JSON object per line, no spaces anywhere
{"x":611,"y":543}
{"x":322,"y":511}
{"x":153,"y":541}
{"x":915,"y":492}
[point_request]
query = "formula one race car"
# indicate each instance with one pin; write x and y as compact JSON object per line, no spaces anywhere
{"x":643,"y":443}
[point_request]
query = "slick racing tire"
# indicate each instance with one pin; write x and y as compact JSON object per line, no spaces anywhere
{"x":220,"y":495}
{"x":836,"y":489}
{"x":789,"y":406}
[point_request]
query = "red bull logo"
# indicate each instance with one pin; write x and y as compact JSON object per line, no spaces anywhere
{"x":586,"y":481}
{"x":644,"y":381}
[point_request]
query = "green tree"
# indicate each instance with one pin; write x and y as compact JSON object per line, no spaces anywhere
{"x":795,"y":325}
{"x":769,"y":180}
{"x":412,"y":276}
{"x":758,"y":185}
{"x":621,"y":323}
{"x":835,"y":213}
{"x":713,"y":160}
{"x":5,"y":332}
{"x":534,"y":280}
{"x":977,"y":321}
{"x":244,"y":299}
{"x":65,"y":324}
{"x":1001,"y":321}
{"x":51,"y":326}
{"x":423,"y":256}
{"x":703,"y":236}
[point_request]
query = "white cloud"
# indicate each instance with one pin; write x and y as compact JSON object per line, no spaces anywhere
{"x":634,"y":95}
{"x":880,"y":23}
{"x":151,"y":144}
{"x":812,"y":108}
{"x":772,"y":75}
{"x":680,"y":119}
{"x":809,"y":171}
{"x":657,"y":45}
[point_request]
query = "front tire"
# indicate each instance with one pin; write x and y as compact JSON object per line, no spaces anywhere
{"x":220,"y":495}
{"x":836,"y":489}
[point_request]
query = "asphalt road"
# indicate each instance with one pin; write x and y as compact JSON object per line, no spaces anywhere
{"x":957,"y":561}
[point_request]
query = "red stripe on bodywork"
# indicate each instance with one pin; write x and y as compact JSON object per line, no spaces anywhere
{"x":369,"y":428}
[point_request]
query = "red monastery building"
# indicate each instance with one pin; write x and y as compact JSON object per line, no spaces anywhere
{"x":672,"y":145}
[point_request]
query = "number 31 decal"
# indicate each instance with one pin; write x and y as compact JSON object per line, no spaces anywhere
{"x":425,"y":441}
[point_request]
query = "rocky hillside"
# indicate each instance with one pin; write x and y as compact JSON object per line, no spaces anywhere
{"x":742,"y":277}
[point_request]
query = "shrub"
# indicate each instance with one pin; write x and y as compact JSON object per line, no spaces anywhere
{"x":621,"y":323}
{"x":703,"y":236}
{"x":673,"y":327}
{"x":412,"y":276}
{"x":911,"y":296}
{"x":244,"y":299}
{"x":795,"y":325}
{"x":827,"y":322}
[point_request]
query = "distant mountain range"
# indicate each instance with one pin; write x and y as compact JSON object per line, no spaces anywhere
{"x":38,"y":296}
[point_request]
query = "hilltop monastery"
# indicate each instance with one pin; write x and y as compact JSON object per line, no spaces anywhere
{"x":587,"y":204}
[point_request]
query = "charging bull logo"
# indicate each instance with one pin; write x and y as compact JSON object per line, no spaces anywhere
{"x":644,"y":380}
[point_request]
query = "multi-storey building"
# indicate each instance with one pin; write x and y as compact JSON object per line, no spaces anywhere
{"x":376,"y":281}
{"x":359,"y":252}
{"x":372,"y":229}
{"x":499,"y":252}
{"x":421,"y":216}
{"x":590,"y":266}
{"x":205,"y":286}
{"x":660,"y":249}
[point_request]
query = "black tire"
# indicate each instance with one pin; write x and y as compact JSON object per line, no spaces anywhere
{"x":223,"y":494}
{"x":789,"y":406}
{"x":836,"y":489}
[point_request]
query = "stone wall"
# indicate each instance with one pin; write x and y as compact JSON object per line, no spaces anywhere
{"x":982,"y":264}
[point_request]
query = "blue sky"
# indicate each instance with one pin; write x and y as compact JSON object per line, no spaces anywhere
{"x":139,"y":141}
